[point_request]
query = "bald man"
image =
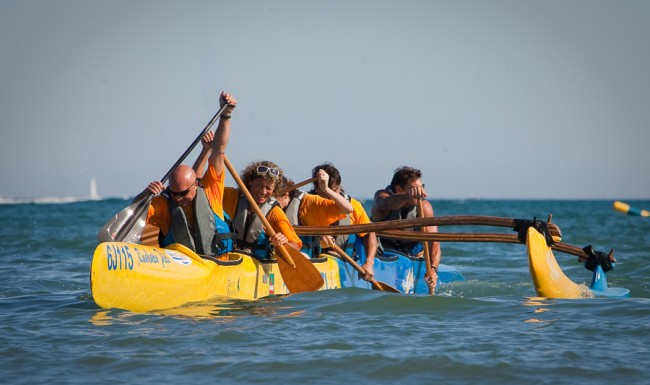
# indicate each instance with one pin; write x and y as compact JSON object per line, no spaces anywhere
{"x":190,"y":211}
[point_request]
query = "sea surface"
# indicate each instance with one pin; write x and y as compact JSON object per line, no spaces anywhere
{"x":488,"y":329}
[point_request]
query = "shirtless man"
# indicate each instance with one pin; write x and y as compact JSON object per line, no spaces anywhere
{"x":399,"y":200}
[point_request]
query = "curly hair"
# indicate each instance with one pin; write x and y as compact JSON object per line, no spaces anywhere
{"x":250,"y":173}
{"x":404,"y":175}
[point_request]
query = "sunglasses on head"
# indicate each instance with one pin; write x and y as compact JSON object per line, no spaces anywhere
{"x":180,"y":193}
{"x":261,"y":170}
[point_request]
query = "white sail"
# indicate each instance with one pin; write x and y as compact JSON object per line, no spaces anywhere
{"x":93,"y":189}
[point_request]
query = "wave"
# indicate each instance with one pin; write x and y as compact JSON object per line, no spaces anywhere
{"x":53,"y":200}
{"x":59,"y":200}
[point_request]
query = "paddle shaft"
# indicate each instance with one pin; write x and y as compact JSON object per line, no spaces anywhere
{"x":471,"y":220}
{"x":258,"y":211}
{"x":354,"y":264}
{"x":425,"y":246}
{"x":477,"y":237}
{"x":134,"y":216}
{"x":295,"y":186}
{"x":194,"y":143}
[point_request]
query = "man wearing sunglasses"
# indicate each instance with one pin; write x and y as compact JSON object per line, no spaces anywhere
{"x":399,"y":200}
{"x":190,"y":211}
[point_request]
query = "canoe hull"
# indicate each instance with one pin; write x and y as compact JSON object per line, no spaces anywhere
{"x":398,"y":270}
{"x":144,"y":278}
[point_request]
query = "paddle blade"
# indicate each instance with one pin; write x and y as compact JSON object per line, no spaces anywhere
{"x":382,"y":286}
{"x":127,"y":225}
{"x":302,"y":278}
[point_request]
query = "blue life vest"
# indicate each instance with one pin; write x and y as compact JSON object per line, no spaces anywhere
{"x":211,"y":236}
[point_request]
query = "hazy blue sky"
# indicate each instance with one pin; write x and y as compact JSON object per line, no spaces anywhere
{"x":490,"y":99}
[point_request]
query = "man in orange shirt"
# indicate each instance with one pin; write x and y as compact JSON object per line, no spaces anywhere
{"x":357,"y":216}
{"x":314,"y":210}
{"x":189,"y":211}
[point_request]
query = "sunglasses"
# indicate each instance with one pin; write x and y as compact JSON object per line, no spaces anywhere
{"x":261,"y":170}
{"x":180,"y":193}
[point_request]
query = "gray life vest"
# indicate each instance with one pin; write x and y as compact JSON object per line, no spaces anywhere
{"x":342,"y":240}
{"x":249,"y":229}
{"x":310,"y":244}
{"x":210,"y":233}
{"x":293,"y":208}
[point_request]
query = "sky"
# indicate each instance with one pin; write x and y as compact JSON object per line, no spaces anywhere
{"x":490,"y":99}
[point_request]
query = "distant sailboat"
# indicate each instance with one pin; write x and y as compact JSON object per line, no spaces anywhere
{"x":93,"y":189}
{"x":54,"y":200}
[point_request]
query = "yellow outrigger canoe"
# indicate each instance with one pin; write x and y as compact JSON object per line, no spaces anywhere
{"x":144,"y":278}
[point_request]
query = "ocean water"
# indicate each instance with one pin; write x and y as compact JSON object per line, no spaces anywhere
{"x":488,"y":329}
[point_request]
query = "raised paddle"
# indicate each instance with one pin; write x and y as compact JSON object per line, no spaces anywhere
{"x":425,"y":245}
{"x":377,"y":285}
{"x":127,"y":225}
{"x":298,"y":273}
{"x":295,"y":186}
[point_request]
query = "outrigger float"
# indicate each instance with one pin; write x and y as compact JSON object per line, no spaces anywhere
{"x":142,"y":278}
{"x":551,"y":282}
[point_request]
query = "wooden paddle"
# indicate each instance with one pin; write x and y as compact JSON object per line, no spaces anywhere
{"x":377,"y":285}
{"x":425,"y":245}
{"x":471,"y":220}
{"x":295,"y":186}
{"x":128,"y":224}
{"x":298,"y":273}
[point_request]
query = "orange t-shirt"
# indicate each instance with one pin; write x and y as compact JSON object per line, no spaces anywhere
{"x":276,"y":217}
{"x":359,"y":215}
{"x":318,"y":211}
{"x":213,"y":184}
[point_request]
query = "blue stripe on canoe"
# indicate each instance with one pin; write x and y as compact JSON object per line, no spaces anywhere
{"x":396,"y":269}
